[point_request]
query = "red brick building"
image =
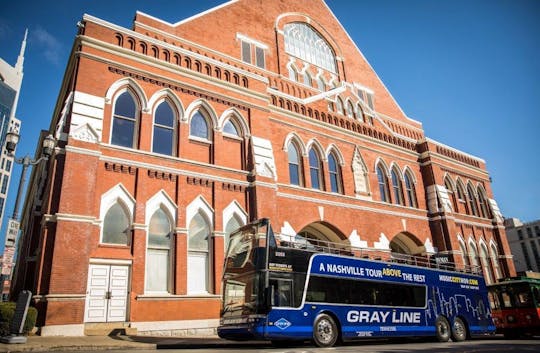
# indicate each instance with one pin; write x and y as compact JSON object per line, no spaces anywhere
{"x":171,"y":135}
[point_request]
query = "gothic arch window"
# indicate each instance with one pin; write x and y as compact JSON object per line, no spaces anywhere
{"x":164,"y":136}
{"x":321,"y":85}
{"x":350,"y":110}
{"x":233,"y":224}
{"x":472,"y":200}
{"x":474,"y":258}
{"x":410,"y":190}
{"x":302,"y":41}
{"x":116,"y":225}
{"x":293,"y":75}
{"x":451,"y":193}
{"x":199,"y":126}
{"x":231,"y":128}
{"x":198,"y":254}
{"x":397,"y":187}
{"x":315,"y":170}
{"x":124,"y":122}
{"x":383,"y":183}
{"x":334,"y":171}
{"x":495,"y":261}
{"x":464,"y":254}
{"x":486,"y":264}
{"x":307,"y":78}
{"x":295,"y":164}
{"x":482,"y":203}
{"x":360,"y":113}
{"x":158,"y":252}
{"x":339,"y":106}
{"x":461,"y":196}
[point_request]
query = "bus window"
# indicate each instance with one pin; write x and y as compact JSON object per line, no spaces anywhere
{"x":348,"y":291}
{"x":282,"y":290}
{"x":494,"y":302}
{"x":506,"y":300}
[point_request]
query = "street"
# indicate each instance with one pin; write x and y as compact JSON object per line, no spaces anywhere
{"x":492,"y":344}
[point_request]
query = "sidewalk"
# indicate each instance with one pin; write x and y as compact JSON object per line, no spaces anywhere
{"x":109,"y":343}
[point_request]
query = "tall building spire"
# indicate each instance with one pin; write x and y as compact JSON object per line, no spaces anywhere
{"x":20,"y":59}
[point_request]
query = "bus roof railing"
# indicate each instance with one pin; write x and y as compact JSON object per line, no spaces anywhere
{"x":323,"y":246}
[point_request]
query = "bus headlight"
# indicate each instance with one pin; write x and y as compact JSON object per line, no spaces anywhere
{"x":511,"y":319}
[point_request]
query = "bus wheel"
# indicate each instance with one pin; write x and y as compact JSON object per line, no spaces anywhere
{"x":325,"y":333}
{"x":459,"y":330}
{"x":442,"y":328}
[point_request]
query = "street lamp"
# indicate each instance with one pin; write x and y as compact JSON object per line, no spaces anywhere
{"x":12,"y":138}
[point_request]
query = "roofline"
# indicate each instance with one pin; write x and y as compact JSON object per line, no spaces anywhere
{"x":189,"y":18}
{"x":371,"y":67}
{"x":455,"y":149}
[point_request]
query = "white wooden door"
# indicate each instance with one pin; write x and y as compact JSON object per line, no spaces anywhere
{"x":106,"y":296}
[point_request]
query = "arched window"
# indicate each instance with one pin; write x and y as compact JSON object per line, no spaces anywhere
{"x":116,"y":225}
{"x":198,"y":255}
{"x":464,"y":255}
{"x":198,"y":126}
{"x":230,"y":128}
{"x":473,"y":254}
{"x":335,"y":174}
{"x":397,"y":187}
{"x":339,"y":106}
{"x":320,"y":83}
{"x":302,"y":41}
{"x":350,"y":110}
{"x":295,"y":165}
{"x":293,"y":76}
{"x":461,"y":197}
{"x":483,"y":204}
{"x":410,"y":190}
{"x":158,"y":266}
{"x":164,"y":129}
{"x":233,"y":224}
{"x":383,"y":184}
{"x":315,"y":170}
{"x":495,"y":262}
{"x":486,"y":264}
{"x":307,"y":78}
{"x":124,"y":122}
{"x":451,"y":194}
{"x":360,"y":113}
{"x":472,"y":200}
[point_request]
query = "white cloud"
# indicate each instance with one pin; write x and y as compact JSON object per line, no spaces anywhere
{"x":52,"y":47}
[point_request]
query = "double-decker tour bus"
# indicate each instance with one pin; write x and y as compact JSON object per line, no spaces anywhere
{"x":515,"y":305}
{"x":306,"y":290}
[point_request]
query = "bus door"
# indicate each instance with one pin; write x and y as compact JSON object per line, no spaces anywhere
{"x":282,"y":292}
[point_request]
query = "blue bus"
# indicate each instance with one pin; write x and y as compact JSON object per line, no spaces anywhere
{"x":305,"y":290}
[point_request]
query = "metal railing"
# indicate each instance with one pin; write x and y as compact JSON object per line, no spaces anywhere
{"x":323,"y":246}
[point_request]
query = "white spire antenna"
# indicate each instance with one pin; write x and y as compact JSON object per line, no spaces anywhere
{"x":20,"y":59}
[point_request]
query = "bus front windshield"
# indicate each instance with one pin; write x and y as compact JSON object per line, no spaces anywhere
{"x":518,"y":295}
{"x":243,"y":279}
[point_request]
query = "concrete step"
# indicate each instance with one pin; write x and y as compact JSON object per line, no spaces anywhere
{"x":109,"y":329}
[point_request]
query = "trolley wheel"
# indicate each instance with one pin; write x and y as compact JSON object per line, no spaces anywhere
{"x":459,"y":330}
{"x":325,"y":332}
{"x":442,"y":329}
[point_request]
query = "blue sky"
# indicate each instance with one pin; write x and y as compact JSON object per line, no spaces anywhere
{"x":469,"y":70}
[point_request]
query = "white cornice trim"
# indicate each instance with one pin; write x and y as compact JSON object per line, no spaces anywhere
{"x":177,"y":171}
{"x":102,"y":261}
